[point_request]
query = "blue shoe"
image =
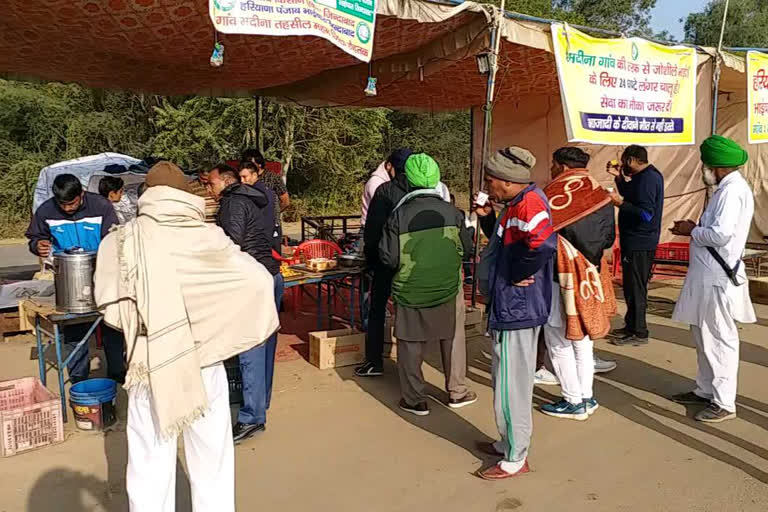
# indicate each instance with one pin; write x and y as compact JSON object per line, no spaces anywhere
{"x":565,"y":409}
{"x":591,"y":405}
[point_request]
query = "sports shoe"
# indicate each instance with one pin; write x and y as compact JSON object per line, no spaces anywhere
{"x":619,"y":333}
{"x":545,"y":377}
{"x":368,"y":369}
{"x":602,"y":366}
{"x":458,"y":403}
{"x":565,"y":409}
{"x":421,"y":409}
{"x":243,"y":431}
{"x":690,"y":398}
{"x":629,"y":340}
{"x":714,"y":414}
{"x":591,"y":405}
{"x":496,"y":473}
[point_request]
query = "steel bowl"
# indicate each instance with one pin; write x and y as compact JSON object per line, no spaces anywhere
{"x":350,"y":260}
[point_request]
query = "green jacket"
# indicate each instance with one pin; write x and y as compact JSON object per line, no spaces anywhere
{"x":424,"y":242}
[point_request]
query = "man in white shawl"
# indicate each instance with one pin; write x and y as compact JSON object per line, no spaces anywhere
{"x":178,"y":288}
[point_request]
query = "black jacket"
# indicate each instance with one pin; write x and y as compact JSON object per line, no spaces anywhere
{"x":640,"y":215}
{"x":384,"y":201}
{"x":242,"y":219}
{"x":593,"y":234}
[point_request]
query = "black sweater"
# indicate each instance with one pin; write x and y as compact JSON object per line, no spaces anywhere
{"x":640,"y":215}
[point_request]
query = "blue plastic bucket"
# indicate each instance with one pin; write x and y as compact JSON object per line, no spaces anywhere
{"x":93,"y":403}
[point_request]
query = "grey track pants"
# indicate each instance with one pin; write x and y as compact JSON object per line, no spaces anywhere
{"x":514,"y":363}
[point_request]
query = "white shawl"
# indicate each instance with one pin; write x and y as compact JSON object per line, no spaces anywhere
{"x":185,"y":297}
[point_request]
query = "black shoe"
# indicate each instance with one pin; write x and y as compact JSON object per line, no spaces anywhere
{"x":421,"y":409}
{"x":368,"y":369}
{"x":690,"y":398}
{"x":629,"y":340}
{"x":619,"y":333}
{"x":243,"y":431}
{"x":458,"y":403}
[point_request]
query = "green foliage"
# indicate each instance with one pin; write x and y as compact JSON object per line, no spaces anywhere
{"x":444,"y":136}
{"x":628,"y":16}
{"x":327,"y":154}
{"x":744,"y":27}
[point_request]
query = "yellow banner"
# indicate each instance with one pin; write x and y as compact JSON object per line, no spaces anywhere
{"x":349,"y":24}
{"x":625,"y":91}
{"x":757,"y":97}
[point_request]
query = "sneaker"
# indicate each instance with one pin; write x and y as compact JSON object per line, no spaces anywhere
{"x":690,"y":398}
{"x":496,"y":473}
{"x":619,"y":333}
{"x":591,"y":405}
{"x":714,"y":414}
{"x":458,"y":403}
{"x":602,"y":366}
{"x":243,"y":431}
{"x":629,"y":340}
{"x":545,"y":377}
{"x":369,"y":370}
{"x":565,"y":409}
{"x":420,"y":409}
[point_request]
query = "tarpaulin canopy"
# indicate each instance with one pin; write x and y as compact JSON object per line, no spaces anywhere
{"x":424,"y":58}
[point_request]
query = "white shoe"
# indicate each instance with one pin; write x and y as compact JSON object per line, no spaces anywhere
{"x":545,"y":377}
{"x":602,"y":366}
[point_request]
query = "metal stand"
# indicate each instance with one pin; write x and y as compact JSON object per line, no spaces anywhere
{"x":58,"y":320}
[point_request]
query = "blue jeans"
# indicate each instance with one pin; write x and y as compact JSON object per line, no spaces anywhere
{"x":257,"y":366}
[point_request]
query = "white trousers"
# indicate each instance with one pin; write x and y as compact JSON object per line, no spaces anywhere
{"x":208,"y":448}
{"x":573,"y":362}
{"x":717,"y":351}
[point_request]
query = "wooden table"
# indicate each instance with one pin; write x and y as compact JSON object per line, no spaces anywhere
{"x":48,"y":324}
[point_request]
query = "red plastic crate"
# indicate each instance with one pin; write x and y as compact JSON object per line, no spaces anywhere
{"x":30,"y":416}
{"x":673,"y":251}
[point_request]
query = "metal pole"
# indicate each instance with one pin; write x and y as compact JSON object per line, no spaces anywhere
{"x":487,"y":112}
{"x":716,"y":75}
{"x":257,"y":106}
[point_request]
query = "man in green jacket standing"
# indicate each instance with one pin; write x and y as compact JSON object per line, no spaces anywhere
{"x":424,"y":242}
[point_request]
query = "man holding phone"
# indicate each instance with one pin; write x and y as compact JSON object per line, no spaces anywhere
{"x":640,"y":200}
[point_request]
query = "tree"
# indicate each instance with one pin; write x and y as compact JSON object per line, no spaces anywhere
{"x":744,"y":27}
{"x":627,"y":16}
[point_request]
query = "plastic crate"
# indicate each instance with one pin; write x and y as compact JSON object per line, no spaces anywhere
{"x":673,"y":251}
{"x":235,"y":380}
{"x":30,"y":416}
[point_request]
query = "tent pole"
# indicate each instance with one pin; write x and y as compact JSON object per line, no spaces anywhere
{"x":716,"y":76}
{"x":487,"y":113}
{"x":258,"y":122}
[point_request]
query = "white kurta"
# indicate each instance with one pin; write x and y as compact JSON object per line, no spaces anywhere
{"x":724,"y":225}
{"x":709,"y":301}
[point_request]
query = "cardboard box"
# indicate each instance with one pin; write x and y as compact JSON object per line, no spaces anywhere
{"x":332,"y":349}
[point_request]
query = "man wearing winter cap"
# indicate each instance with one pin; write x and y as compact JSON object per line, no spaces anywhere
{"x":423,"y":243}
{"x":515,"y":275}
{"x":384,"y":198}
{"x":715,"y":294}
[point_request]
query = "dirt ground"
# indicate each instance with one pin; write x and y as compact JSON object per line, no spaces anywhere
{"x":338,"y":443}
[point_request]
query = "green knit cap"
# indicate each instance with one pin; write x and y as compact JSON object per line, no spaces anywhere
{"x":422,"y":171}
{"x":718,"y":151}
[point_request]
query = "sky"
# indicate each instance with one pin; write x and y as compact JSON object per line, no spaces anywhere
{"x":667,"y":13}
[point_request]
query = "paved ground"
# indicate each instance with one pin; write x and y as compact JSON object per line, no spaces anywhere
{"x":338,"y":443}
